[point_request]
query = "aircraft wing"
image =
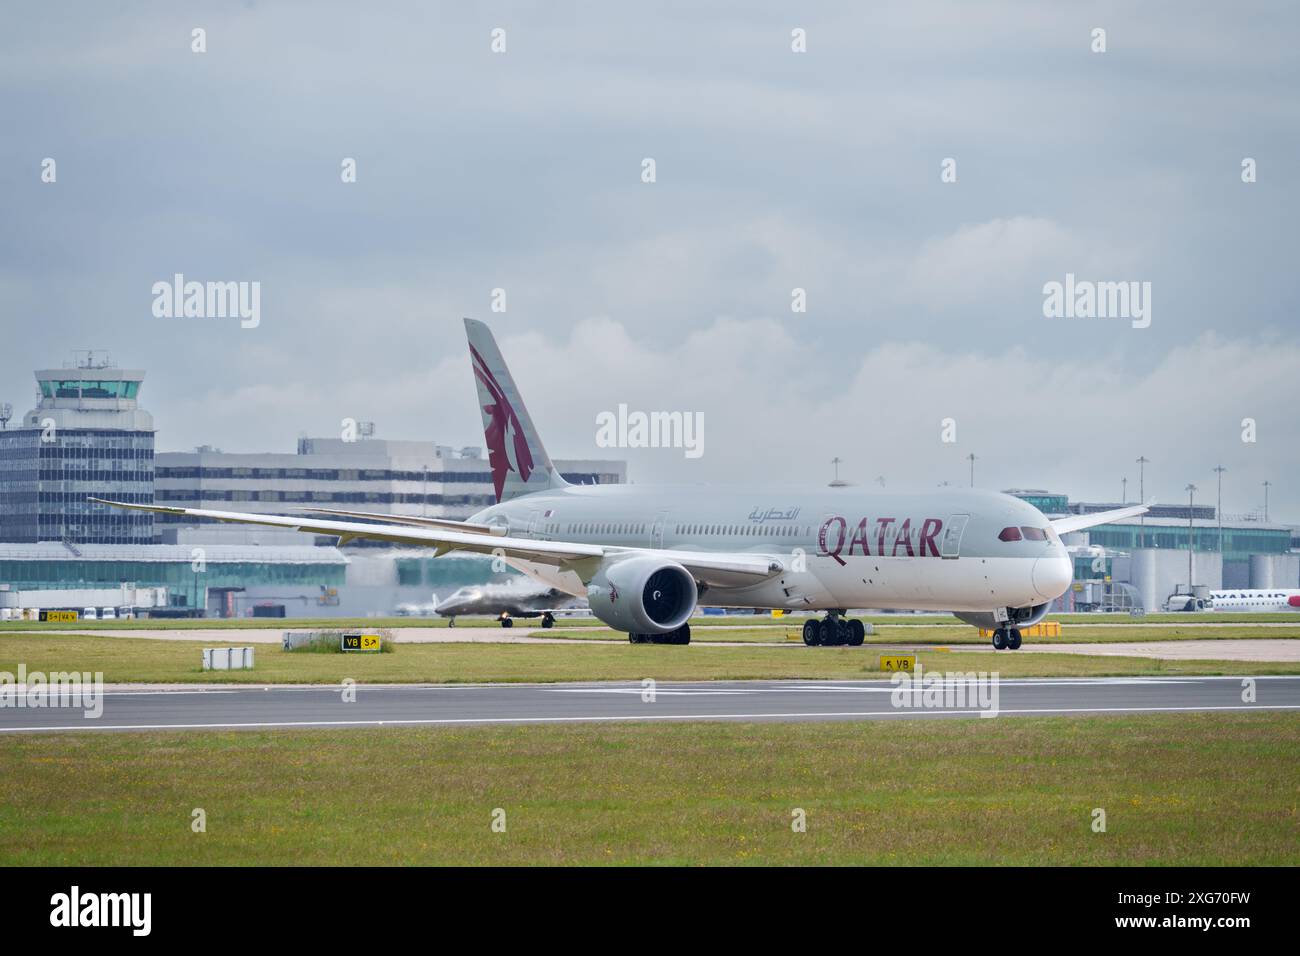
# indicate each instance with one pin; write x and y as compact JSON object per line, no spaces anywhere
{"x":709,"y":566}
{"x":471,"y":527}
{"x":1081,"y":522}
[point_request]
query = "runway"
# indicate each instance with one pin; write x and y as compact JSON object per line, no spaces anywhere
{"x":263,"y":707}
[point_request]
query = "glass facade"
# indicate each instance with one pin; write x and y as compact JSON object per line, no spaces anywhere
{"x":80,"y":388}
{"x":1238,"y":543}
{"x":45,"y":478}
{"x":176,"y":575}
{"x":1047,"y":503}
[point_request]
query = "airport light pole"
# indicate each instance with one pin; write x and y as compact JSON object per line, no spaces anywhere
{"x":1123,"y":495}
{"x":971,"y":456}
{"x":1142,"y":496}
{"x":1191,"y":535}
{"x":1266,"y":484}
{"x":1218,"y":508}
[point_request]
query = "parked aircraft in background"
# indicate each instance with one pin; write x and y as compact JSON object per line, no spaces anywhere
{"x":505,"y":602}
{"x":1256,"y":599}
{"x":644,"y":555}
{"x":1237,"y":599}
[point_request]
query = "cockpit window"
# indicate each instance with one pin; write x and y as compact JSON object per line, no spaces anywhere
{"x":1033,"y":534}
{"x":1010,"y":534}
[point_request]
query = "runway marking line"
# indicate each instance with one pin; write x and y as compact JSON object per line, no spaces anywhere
{"x":609,"y":718}
{"x":791,"y":682}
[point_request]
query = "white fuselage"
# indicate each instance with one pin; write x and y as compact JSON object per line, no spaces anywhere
{"x":839,"y":548}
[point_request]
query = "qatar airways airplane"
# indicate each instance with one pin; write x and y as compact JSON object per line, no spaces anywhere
{"x":644,"y":556}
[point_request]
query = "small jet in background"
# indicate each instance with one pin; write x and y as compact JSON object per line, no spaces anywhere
{"x":504,"y":602}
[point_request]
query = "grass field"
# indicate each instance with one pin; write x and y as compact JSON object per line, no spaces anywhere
{"x":130,"y":660}
{"x":1188,"y":789}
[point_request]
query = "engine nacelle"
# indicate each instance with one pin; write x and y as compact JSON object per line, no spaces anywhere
{"x":642,"y":595}
{"x":1016,"y":617}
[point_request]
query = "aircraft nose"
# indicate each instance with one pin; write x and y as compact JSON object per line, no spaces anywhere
{"x":1052,"y":575}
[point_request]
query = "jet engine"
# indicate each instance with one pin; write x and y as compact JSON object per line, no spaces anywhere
{"x":1016,"y":617}
{"x":642,"y":595}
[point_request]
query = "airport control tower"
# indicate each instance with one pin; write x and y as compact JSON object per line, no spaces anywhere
{"x":87,"y":436}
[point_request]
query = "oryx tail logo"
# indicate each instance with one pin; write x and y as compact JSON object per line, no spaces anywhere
{"x":507,"y":445}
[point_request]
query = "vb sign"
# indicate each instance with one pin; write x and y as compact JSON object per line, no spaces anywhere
{"x":361,"y":642}
{"x":898,"y":662}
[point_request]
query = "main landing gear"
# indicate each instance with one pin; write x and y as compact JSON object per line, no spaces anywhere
{"x":680,"y":636}
{"x":1006,"y":639}
{"x":548,"y":619}
{"x":833,"y":630}
{"x":506,"y":620}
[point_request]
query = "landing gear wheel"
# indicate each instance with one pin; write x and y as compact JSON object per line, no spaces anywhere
{"x":451,"y":622}
{"x":1013,"y":639}
{"x":857,"y":633}
{"x":834,"y":632}
{"x":637,"y":638}
{"x":999,"y":638}
{"x":682,"y":635}
{"x":548,"y":620}
{"x":507,"y":622}
{"x":812,"y":633}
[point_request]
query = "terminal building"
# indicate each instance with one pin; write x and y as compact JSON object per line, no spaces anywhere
{"x":156,"y":579}
{"x":416,"y":478}
{"x":1140,"y":563}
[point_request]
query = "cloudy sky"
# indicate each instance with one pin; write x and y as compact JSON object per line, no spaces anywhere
{"x":775,"y":170}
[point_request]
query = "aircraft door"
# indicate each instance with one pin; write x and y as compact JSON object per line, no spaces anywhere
{"x":657,"y":530}
{"x":950,"y":546}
